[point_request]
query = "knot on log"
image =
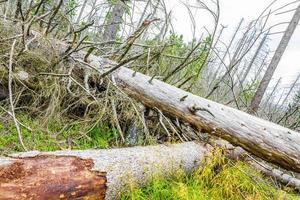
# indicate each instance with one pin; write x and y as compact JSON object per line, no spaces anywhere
{"x":193,"y":109}
{"x":183,"y":98}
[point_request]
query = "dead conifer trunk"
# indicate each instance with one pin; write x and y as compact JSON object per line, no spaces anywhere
{"x":274,"y":62}
{"x":262,"y":138}
{"x":92,"y":174}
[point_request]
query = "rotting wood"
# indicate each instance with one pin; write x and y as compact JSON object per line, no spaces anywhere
{"x":259,"y":137}
{"x":73,"y":174}
{"x":50,"y":177}
{"x":81,"y":174}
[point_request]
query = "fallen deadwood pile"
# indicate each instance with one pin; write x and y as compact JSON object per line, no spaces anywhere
{"x":104,"y":174}
{"x":264,"y":139}
{"x":105,"y":170}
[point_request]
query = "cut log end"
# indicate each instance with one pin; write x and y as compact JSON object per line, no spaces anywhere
{"x":51,"y":177}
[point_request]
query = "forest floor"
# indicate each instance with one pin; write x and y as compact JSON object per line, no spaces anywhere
{"x":218,"y":178}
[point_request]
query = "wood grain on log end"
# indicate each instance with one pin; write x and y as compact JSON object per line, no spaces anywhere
{"x":51,"y":177}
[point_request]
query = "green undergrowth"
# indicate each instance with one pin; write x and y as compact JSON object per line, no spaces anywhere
{"x":216,"y":179}
{"x":54,"y":135}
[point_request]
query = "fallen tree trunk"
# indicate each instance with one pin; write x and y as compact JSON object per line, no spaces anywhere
{"x":104,"y":174}
{"x":262,"y":138}
{"x":92,"y":174}
{"x":276,"y":174}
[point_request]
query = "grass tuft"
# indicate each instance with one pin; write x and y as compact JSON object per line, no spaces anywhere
{"x":216,"y":179}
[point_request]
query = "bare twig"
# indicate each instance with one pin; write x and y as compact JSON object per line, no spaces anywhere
{"x":10,"y":77}
{"x":115,"y":115}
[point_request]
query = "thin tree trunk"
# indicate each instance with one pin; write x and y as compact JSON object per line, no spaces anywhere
{"x":143,"y":13}
{"x":114,"y":21}
{"x":81,"y":11}
{"x":274,"y":62}
{"x":253,"y":59}
{"x":234,"y":61}
{"x":273,"y":91}
{"x":290,"y":91}
{"x":226,"y":52}
{"x":261,"y":67}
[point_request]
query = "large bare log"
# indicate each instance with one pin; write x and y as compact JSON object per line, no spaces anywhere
{"x":92,"y":174}
{"x":104,"y":174}
{"x":262,"y":138}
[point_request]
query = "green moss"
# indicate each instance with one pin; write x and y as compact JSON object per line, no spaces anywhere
{"x":98,"y":137}
{"x":53,"y":135}
{"x":216,"y":179}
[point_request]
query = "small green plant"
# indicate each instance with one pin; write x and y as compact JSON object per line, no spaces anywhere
{"x":99,"y":137}
{"x":71,"y":5}
{"x":249,"y":91}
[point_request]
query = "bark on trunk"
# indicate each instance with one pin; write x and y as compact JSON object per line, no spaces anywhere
{"x":262,"y":138}
{"x":81,"y":11}
{"x":104,"y":174}
{"x":114,"y":22}
{"x":92,"y":174}
{"x":255,"y":56}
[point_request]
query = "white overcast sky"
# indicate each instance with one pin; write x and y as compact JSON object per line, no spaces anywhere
{"x":231,"y":13}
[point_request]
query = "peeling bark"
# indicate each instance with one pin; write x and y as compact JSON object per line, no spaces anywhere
{"x":99,"y":174}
